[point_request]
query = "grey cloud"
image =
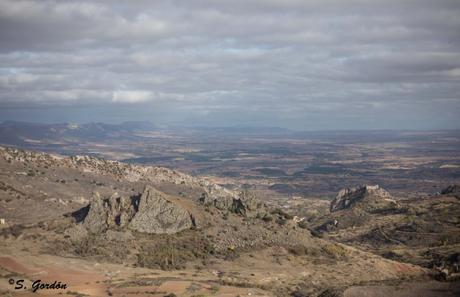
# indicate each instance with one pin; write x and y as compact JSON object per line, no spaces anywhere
{"x":202,"y":60}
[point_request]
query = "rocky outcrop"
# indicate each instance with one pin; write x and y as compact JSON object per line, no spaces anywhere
{"x":157,"y":214}
{"x":109,"y":213}
{"x":453,"y":190}
{"x":223,"y":199}
{"x":152,"y":212}
{"x":350,"y":196}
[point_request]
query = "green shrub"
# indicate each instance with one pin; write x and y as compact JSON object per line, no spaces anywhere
{"x":335,"y":250}
{"x":281,"y":213}
{"x":267,"y":218}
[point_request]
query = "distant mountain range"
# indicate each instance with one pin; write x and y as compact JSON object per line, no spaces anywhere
{"x":23,"y":133}
{"x":31,"y":135}
{"x":27,"y":134}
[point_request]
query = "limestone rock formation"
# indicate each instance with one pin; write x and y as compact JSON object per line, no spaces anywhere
{"x":350,"y":196}
{"x":152,"y":212}
{"x":240,"y":203}
{"x":157,"y":214}
{"x":109,"y":213}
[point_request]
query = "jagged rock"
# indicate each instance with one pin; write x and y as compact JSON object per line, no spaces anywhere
{"x":350,"y":196}
{"x":157,"y":214}
{"x":152,"y":212}
{"x":223,"y":203}
{"x":223,"y":200}
{"x":108,"y":213}
{"x":453,"y":190}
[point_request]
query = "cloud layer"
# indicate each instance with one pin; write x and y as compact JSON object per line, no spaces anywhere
{"x":300,"y":64}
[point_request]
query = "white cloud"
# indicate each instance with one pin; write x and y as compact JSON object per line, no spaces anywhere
{"x":132,"y":96}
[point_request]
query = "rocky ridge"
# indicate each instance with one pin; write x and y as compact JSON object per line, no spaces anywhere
{"x":211,"y":193}
{"x":150,"y":223}
{"x":348,"y":197}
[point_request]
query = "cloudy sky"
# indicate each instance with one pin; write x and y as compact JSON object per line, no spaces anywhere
{"x":307,"y":65}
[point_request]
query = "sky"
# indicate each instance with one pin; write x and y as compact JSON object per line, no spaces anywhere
{"x":304,"y":65}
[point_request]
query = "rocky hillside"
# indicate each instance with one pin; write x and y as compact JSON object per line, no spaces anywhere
{"x":70,"y":182}
{"x":423,"y":231}
{"x":153,"y":219}
{"x":101,"y":196}
{"x":118,"y":170}
{"x":356,"y":206}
